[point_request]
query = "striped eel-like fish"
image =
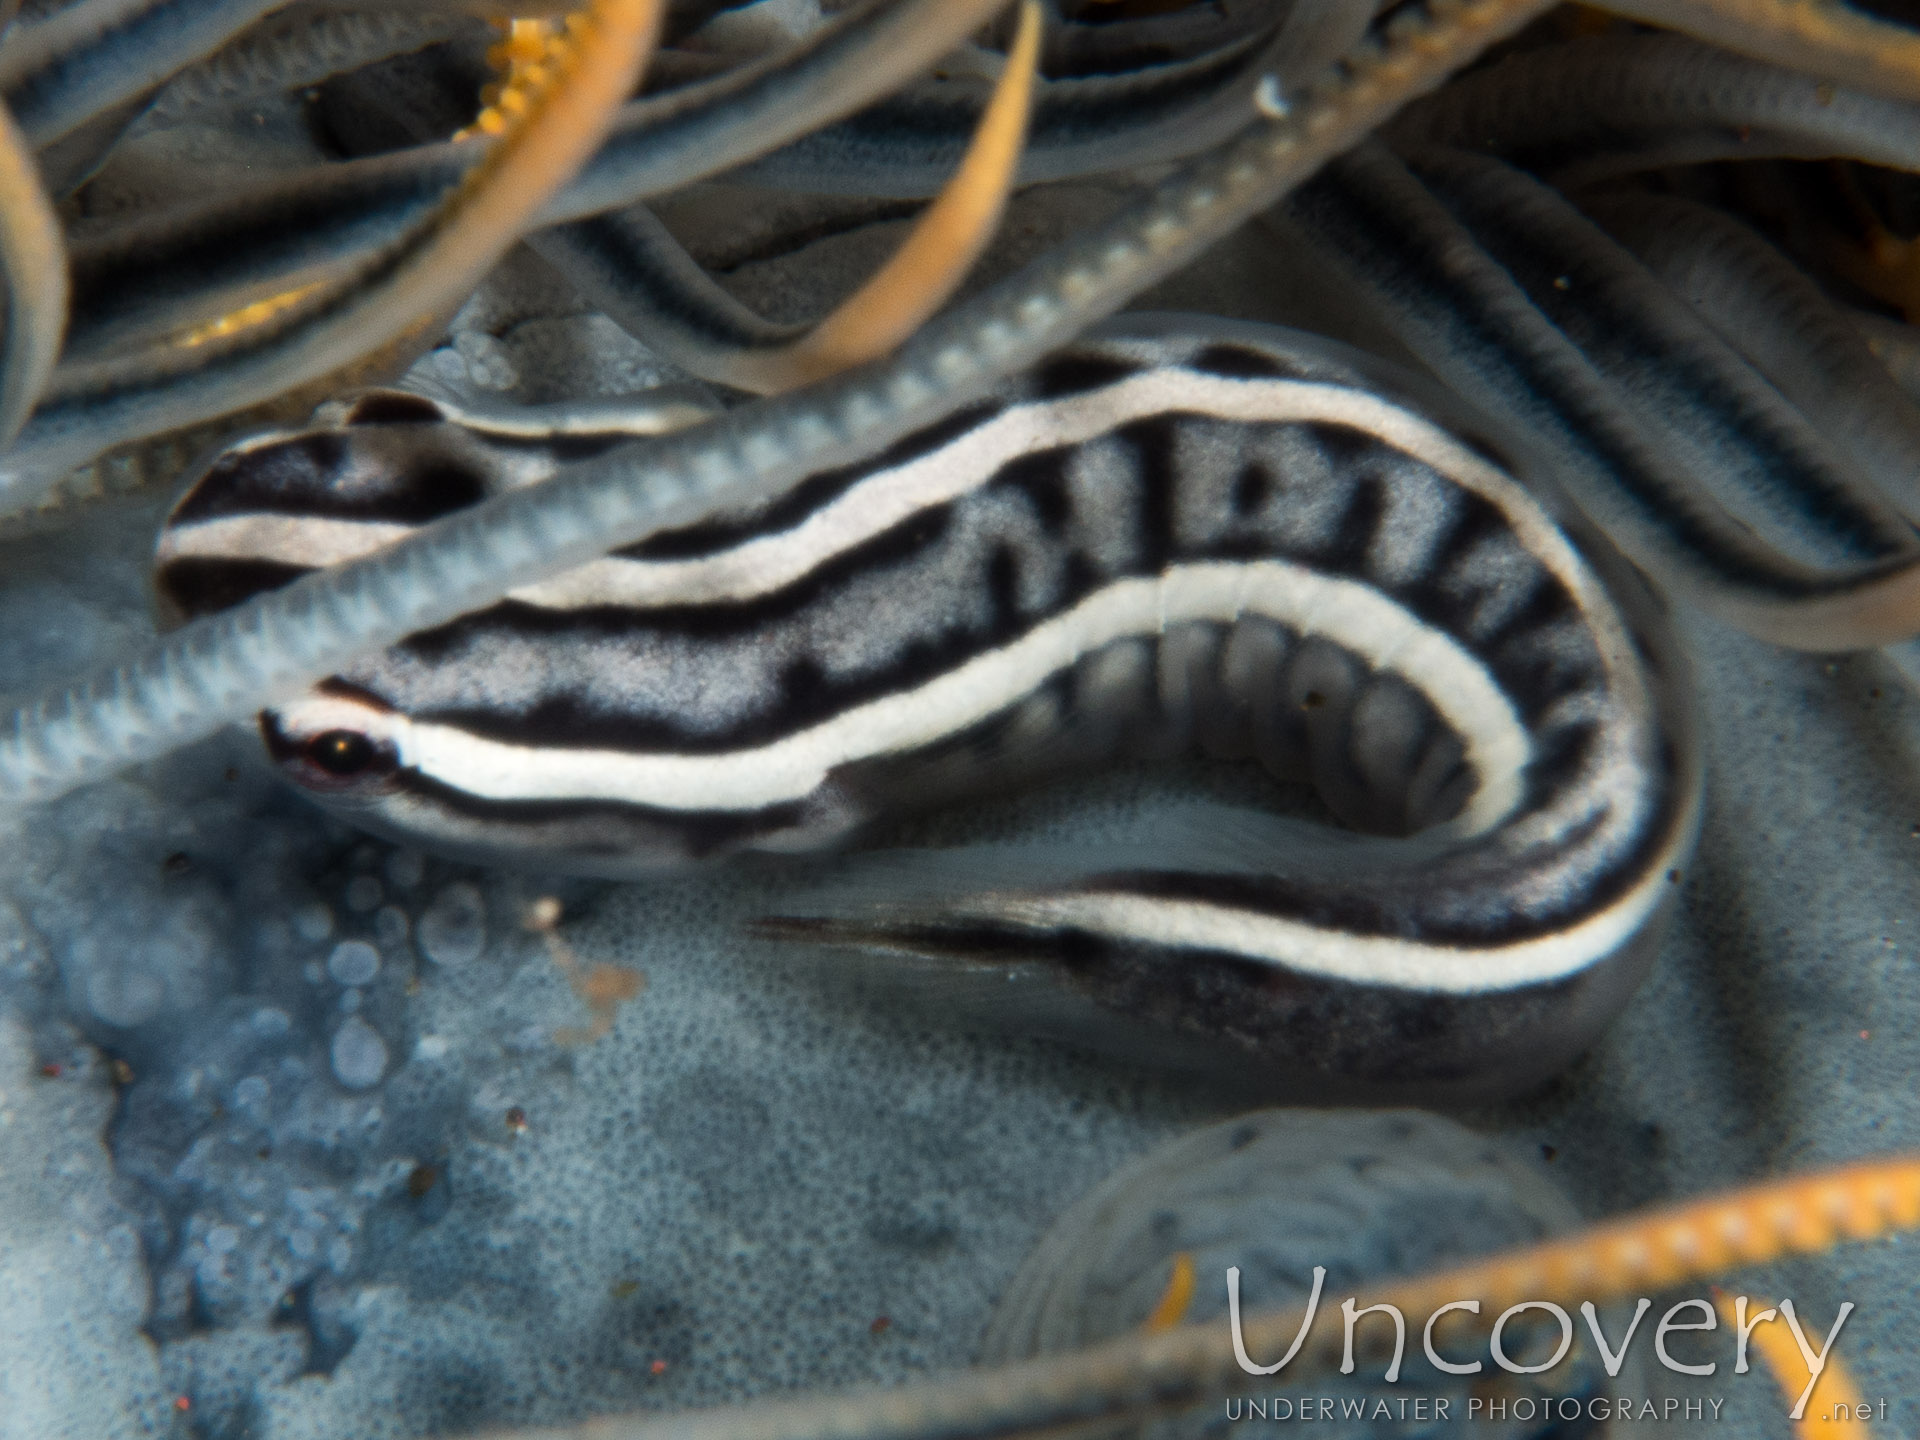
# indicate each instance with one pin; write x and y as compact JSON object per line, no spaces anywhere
{"x":1178,"y":534}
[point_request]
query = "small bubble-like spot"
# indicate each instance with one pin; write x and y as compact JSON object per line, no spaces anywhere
{"x":251,"y":1094}
{"x":406,"y":868}
{"x":453,"y":930}
{"x":313,"y":922}
{"x":390,"y":925}
{"x":447,"y":365}
{"x":488,"y":362}
{"x":363,"y":893}
{"x":359,"y":1054}
{"x":125,"y":994}
{"x":353,"y":962}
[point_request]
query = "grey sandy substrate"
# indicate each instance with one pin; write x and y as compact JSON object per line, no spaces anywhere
{"x":355,"y":1187}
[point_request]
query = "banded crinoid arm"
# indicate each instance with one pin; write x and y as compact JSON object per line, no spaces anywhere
{"x":175,"y":265}
{"x":286,"y":53}
{"x":631,"y":268}
{"x":936,"y":256}
{"x":664,"y":141}
{"x":267,"y":349}
{"x":301,"y":45}
{"x":1822,"y":37}
{"x":661,"y":143}
{"x":1143,"y":1376}
{"x":1093,"y":124}
{"x":1780,"y":320}
{"x":1689,"y":461}
{"x":94,"y":55}
{"x":152,"y":274}
{"x":156,"y":273}
{"x":231,"y":665}
{"x":98,"y":59}
{"x":1610,"y":105}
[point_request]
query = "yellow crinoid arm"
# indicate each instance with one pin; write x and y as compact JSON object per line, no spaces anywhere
{"x":1623,"y":1258}
{"x":1151,"y":1371}
{"x":1666,"y":1247}
{"x":33,"y":268}
{"x":1176,"y":1299}
{"x":946,"y":240}
{"x":548,"y":119}
{"x":1836,"y":1412}
{"x":1816,"y":37}
{"x":524,"y":57}
{"x":364,"y":324}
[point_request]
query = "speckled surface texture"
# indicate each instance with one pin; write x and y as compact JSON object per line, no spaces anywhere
{"x":305,"y":1136}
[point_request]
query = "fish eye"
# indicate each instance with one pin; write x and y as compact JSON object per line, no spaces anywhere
{"x":342,"y":753}
{"x":341,"y":760}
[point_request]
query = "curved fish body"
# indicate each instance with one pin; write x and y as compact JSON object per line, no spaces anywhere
{"x":1178,"y":535}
